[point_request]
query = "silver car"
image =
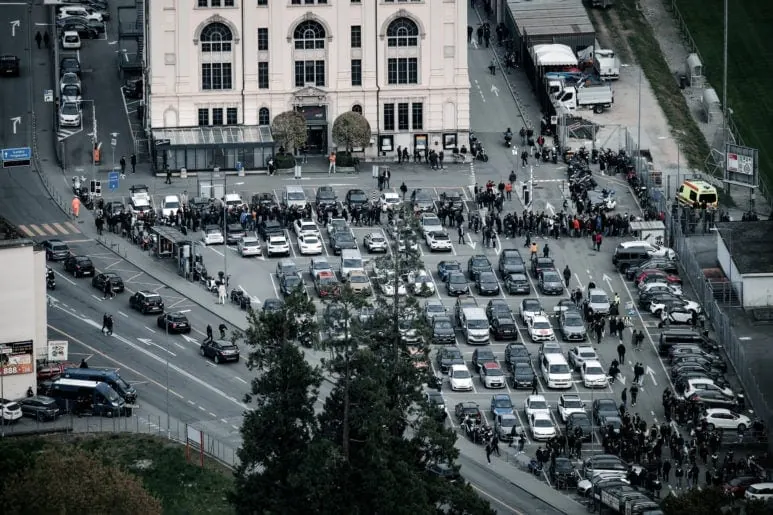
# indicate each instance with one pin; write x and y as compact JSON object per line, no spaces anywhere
{"x":572,"y":326}
{"x":598,"y":300}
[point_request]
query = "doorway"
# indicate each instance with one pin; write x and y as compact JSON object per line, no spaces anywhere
{"x":316,"y":139}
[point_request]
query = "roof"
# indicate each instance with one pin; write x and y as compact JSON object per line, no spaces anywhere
{"x":213,"y":135}
{"x":756,"y":241}
{"x":548,"y":17}
{"x":170,"y":234}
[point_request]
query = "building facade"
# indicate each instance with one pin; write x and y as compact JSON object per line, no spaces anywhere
{"x":239,"y":63}
{"x":23,"y":316}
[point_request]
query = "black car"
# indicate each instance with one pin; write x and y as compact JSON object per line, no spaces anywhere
{"x":444,"y":471}
{"x":692,"y":368}
{"x":174,"y":323}
{"x":340,"y":240}
{"x":70,"y":65}
{"x":655,"y":263}
{"x":9,"y":66}
{"x":82,"y":26}
{"x":523,"y":375}
{"x":40,"y":407}
{"x":443,"y":330}
{"x":517,"y":284}
{"x":273,"y":305}
{"x":147,"y":302}
{"x":234,"y":233}
{"x":503,"y":328}
{"x":56,"y":250}
{"x":516,"y":353}
{"x":579,"y":421}
{"x":79,"y":266}
{"x":481,"y":356}
{"x":114,"y":208}
{"x":714,"y":399}
{"x":476,"y":265}
{"x":511,"y":262}
{"x":219,"y":351}
{"x":270,"y":228}
{"x":356,"y":197}
{"x":539,"y":264}
{"x":445,"y":268}
{"x":422,"y":200}
{"x":267,"y":200}
{"x":289,"y":283}
{"x":498,"y":308}
{"x":326,"y":196}
{"x":487,"y":284}
{"x":436,"y":401}
{"x":457,"y":284}
{"x":551,"y":282}
{"x":709,"y":361}
{"x":116,"y":283}
{"x":603,"y":408}
{"x":448,"y":356}
{"x":563,"y":471}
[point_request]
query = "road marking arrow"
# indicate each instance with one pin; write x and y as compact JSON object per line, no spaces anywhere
{"x":474,"y":44}
{"x":472,"y":243}
{"x":149,"y":343}
{"x":190,"y":339}
{"x":608,"y":280}
{"x":14,"y":25}
{"x":651,"y":373}
{"x":495,"y":90}
{"x":549,"y":207}
{"x":582,"y":288}
{"x":15,"y":120}
{"x":621,"y":378}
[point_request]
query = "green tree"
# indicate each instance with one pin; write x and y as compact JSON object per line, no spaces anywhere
{"x":277,"y":434}
{"x":289,"y":130}
{"x":351,"y":130}
{"x":73,"y":482}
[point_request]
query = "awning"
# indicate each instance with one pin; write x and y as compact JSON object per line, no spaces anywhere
{"x":213,"y":135}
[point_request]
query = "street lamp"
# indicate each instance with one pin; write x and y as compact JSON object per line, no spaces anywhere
{"x":113,"y":144}
{"x":168,"y":352}
{"x":94,"y":136}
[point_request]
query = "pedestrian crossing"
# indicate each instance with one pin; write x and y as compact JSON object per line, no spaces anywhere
{"x":62,"y":134}
{"x":50,"y":229}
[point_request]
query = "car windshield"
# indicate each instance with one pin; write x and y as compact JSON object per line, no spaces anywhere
{"x":551,"y":278}
{"x":522,"y":369}
{"x":494,"y":371}
{"x":452,"y":266}
{"x":572,"y":403}
{"x":352,"y":263}
{"x":599,"y":299}
{"x":512,"y":260}
{"x":508,"y":422}
{"x":542,"y":422}
{"x":457,"y":279}
{"x":503,"y":403}
{"x":487,"y":277}
{"x":453,"y":354}
{"x":430,"y":220}
{"x":532,"y":306}
{"x":211,"y":230}
{"x":538,"y":405}
{"x":541,"y":325}
{"x":587,"y":354}
{"x":292,"y":281}
{"x":477,"y":324}
{"x":361,"y":279}
{"x":442,"y":324}
{"x":342,"y":237}
{"x":69,"y":109}
{"x":559,"y":368}
{"x":461,"y":374}
{"x":59,"y":246}
{"x":573,"y":321}
{"x":376,"y":238}
{"x":296,"y":195}
{"x":440,"y":236}
{"x":594,"y":371}
{"x":480,"y":263}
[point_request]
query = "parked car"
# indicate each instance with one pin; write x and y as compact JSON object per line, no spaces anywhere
{"x":517,"y":284}
{"x":146,"y":302}
{"x":39,"y":407}
{"x":116,"y":283}
{"x":56,"y":250}
{"x":79,"y":266}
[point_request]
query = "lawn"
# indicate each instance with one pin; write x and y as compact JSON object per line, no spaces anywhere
{"x":750,"y":57}
{"x":181,"y":487}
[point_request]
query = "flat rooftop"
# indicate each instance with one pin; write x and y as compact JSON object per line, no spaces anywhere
{"x":751,"y":245}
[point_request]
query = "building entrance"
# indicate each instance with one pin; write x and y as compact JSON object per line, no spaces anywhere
{"x":316,"y":139}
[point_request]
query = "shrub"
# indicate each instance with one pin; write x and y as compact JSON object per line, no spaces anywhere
{"x":283,"y":161}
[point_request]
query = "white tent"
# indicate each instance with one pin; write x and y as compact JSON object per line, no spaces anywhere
{"x":553,"y":55}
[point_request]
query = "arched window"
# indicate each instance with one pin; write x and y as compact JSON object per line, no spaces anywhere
{"x":309,"y":35}
{"x":357,"y":108}
{"x":402,"y":32}
{"x":309,"y":54}
{"x":264,"y":117}
{"x":216,"y":42}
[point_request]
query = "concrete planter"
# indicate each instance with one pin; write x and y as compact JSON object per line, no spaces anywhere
{"x":288,"y":171}
{"x":346,"y":169}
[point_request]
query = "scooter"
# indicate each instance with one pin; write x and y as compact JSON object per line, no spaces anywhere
{"x":481,"y":155}
{"x":508,"y":140}
{"x":78,"y":184}
{"x":50,"y":279}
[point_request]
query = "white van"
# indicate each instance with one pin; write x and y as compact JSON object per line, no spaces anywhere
{"x":351,"y":260}
{"x":555,"y":371}
{"x":294,"y":196}
{"x":475,"y":326}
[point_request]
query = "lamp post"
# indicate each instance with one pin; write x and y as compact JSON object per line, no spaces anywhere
{"x":168,"y":352}
{"x":113,"y":144}
{"x":94,"y":138}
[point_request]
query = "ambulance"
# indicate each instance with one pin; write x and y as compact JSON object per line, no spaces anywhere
{"x":695,"y":191}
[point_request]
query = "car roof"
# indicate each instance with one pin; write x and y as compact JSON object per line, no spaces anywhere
{"x":712,"y":411}
{"x":491,"y":364}
{"x":171,"y":198}
{"x":539,"y":318}
{"x":535,"y":397}
{"x":459,"y":366}
{"x":277,"y":237}
{"x":572,"y":396}
{"x":593,"y":362}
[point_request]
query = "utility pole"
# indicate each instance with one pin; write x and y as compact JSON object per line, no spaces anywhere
{"x":725,"y":110}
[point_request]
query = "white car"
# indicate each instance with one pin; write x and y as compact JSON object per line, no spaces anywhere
{"x":11,"y":410}
{"x":460,"y":378}
{"x":233,"y":200}
{"x":570,"y":403}
{"x":71,"y":93}
{"x":677,"y":315}
{"x":71,"y":40}
{"x":139,"y":204}
{"x":429,"y":222}
{"x":438,"y":240}
{"x":535,"y":404}
{"x":69,"y":79}
{"x":277,"y":245}
{"x":676,"y":289}
{"x":721,"y":418}
{"x":593,"y":375}
{"x":542,"y":427}
{"x":652,"y":250}
{"x":598,"y":300}
{"x":760,"y":492}
{"x":657,"y":307}
{"x":309,"y":244}
{"x":698,"y":384}
{"x":249,"y":246}
{"x":579,"y":355}
{"x":540,"y":329}
{"x":375,"y":242}
{"x":530,"y":308}
{"x":306,"y":226}
{"x":171,"y":205}
{"x":492,"y":376}
{"x":79,"y":11}
{"x":387,"y":285}
{"x":389,"y":200}
{"x":70,"y":114}
{"x":213,"y":235}
{"x":421,"y":283}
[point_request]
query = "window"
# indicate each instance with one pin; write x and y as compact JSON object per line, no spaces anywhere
{"x":309,"y":2}
{"x":356,"y":72}
{"x":262,"y":2}
{"x":402,"y":116}
{"x":402,"y":32}
{"x":357,"y":108}
{"x":231,"y":116}
{"x":263,"y":39}
{"x":356,"y":36}
{"x":203,"y":117}
{"x":203,"y":3}
{"x":263,"y":116}
{"x":217,"y":116}
{"x":262,"y":75}
{"x":309,"y":72}
{"x":309,"y":35}
{"x":389,"y":117}
{"x":216,"y":43}
{"x":417,"y":116}
{"x":403,"y":70}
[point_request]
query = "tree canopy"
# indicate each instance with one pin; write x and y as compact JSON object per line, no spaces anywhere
{"x":711,"y":501}
{"x":289,"y":130}
{"x":351,"y":130}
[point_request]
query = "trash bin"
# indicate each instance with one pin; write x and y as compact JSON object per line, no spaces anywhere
{"x":683,"y":82}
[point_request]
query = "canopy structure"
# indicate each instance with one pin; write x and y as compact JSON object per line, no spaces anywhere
{"x":554,"y":55}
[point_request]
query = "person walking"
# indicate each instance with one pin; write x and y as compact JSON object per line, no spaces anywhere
{"x":666,"y":471}
{"x":524,"y":158}
{"x":495,"y":445}
{"x":209,"y":334}
{"x":109,"y":325}
{"x":679,"y":474}
{"x":122,"y":162}
{"x":222,"y":328}
{"x":509,"y":190}
{"x":461,"y":234}
{"x":546,"y":251}
{"x":38,"y":39}
{"x":221,"y":294}
{"x":634,"y":393}
{"x":46,"y":39}
{"x":107,"y":289}
{"x":83,"y":363}
{"x":403,"y":189}
{"x":521,"y":443}
{"x":469,"y":34}
{"x":104,"y":323}
{"x":133,"y":161}
{"x":534,"y":385}
{"x":332,"y":163}
{"x":567,"y":276}
{"x":621,"y":353}
{"x":488,"y":452}
{"x":624,"y":396}
{"x":168,"y":175}
{"x":76,"y":206}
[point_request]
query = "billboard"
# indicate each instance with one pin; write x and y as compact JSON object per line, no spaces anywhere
{"x":741,"y":165}
{"x":16,"y":358}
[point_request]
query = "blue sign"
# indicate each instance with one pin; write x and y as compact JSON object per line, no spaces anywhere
{"x":112,"y":180}
{"x":17,"y":154}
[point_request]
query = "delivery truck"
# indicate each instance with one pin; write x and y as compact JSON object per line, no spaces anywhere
{"x":598,"y":98}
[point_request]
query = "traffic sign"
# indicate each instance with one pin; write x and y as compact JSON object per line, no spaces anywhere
{"x":112,"y":180}
{"x":17,"y":154}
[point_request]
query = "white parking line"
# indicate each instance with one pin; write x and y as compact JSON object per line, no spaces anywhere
{"x":273,"y":284}
{"x":290,"y":243}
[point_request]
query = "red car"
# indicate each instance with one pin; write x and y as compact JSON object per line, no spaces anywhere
{"x":652,"y":275}
{"x":737,"y":487}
